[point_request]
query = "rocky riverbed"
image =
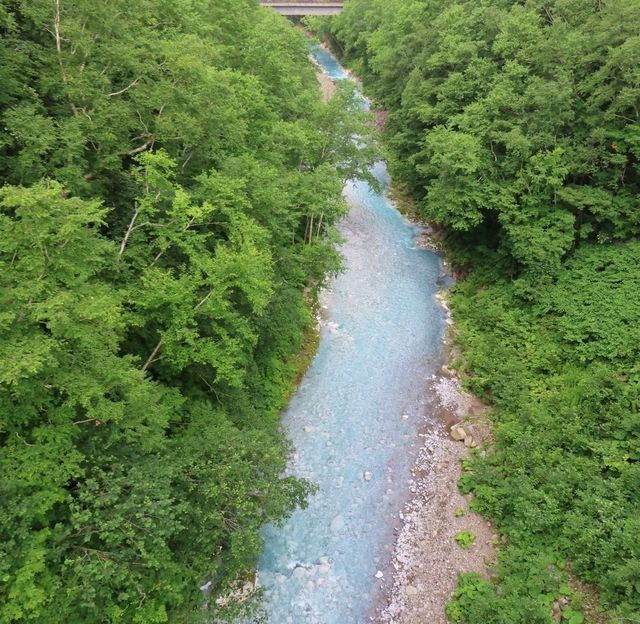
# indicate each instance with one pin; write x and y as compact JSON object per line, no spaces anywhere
{"x":427,"y":559}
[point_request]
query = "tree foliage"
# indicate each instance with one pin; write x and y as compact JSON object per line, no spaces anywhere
{"x":521,"y":115}
{"x":171,"y":182}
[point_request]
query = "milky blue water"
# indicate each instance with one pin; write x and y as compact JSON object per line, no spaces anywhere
{"x":355,"y":417}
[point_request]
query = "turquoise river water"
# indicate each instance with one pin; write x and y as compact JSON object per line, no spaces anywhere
{"x":355,"y":418}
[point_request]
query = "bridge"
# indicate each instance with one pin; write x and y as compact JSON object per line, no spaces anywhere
{"x":302,"y":7}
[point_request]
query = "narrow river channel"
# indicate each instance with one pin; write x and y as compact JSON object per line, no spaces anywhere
{"x":355,"y":419}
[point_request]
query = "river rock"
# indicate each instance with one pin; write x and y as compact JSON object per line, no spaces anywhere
{"x":337,"y":524}
{"x":458,"y":433}
{"x":557,"y":608}
{"x":411,"y":590}
{"x":366,"y":475}
{"x":470,"y":442}
{"x":379,"y":574}
{"x":299,"y":572}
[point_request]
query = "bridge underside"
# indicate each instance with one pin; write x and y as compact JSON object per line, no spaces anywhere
{"x":299,"y":10}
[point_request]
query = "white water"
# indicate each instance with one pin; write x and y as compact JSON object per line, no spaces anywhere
{"x":355,"y":417}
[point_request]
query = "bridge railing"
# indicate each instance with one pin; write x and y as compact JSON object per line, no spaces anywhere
{"x":302,"y":7}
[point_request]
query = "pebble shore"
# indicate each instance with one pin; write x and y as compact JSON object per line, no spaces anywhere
{"x":427,"y":559}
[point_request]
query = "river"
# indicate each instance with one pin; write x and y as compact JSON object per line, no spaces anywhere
{"x":356,"y":417}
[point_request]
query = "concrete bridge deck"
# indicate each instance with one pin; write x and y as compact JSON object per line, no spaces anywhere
{"x":302,"y":8}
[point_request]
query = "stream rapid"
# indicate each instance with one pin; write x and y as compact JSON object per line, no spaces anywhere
{"x":356,"y":417}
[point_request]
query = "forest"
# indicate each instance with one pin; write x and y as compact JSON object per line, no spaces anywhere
{"x":169,"y":185}
{"x":514,"y":126}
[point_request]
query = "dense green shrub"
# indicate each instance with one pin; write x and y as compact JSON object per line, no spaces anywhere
{"x":565,"y":475}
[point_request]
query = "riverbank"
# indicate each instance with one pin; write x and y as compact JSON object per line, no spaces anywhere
{"x":327,"y":86}
{"x":427,"y":559}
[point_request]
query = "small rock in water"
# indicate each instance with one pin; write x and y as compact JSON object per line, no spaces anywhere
{"x":379,"y":574}
{"x":299,"y":572}
{"x":405,"y":416}
{"x":337,"y":524}
{"x":324,"y":568}
{"x":366,"y":475}
{"x":309,"y":429}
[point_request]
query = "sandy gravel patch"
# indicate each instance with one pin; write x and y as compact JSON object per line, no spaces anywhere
{"x":427,"y":560}
{"x":327,"y":86}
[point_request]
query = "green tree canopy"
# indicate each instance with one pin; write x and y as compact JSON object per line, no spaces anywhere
{"x":171,"y":183}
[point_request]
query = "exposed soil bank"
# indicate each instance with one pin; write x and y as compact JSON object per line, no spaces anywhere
{"x":326,"y":84}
